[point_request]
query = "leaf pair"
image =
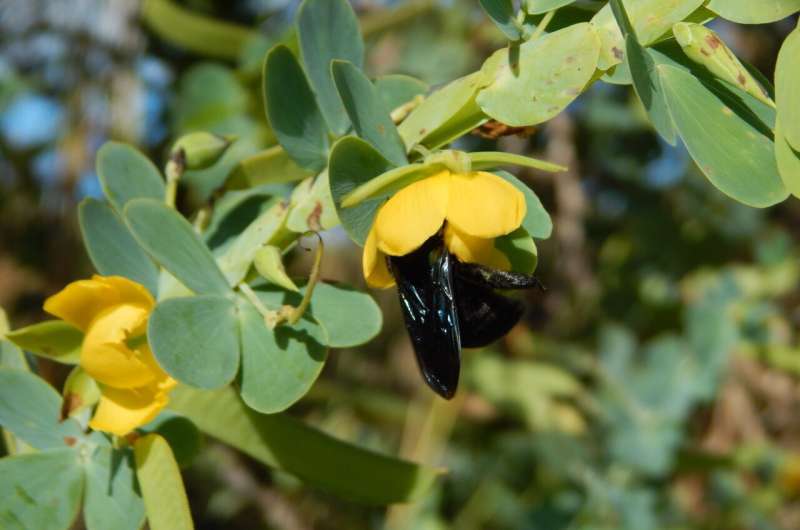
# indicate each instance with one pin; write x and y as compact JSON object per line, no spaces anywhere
{"x":726,"y":130}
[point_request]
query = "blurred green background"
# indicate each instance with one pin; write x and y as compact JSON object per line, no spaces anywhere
{"x":654,"y":385}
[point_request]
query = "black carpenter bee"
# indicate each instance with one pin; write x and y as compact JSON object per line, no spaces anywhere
{"x":448,"y":305}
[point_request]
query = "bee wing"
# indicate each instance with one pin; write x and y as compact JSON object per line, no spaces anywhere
{"x":485,"y":316}
{"x":429,"y":310}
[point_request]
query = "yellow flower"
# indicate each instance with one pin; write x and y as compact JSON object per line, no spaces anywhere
{"x":474,"y":208}
{"x":112,"y":311}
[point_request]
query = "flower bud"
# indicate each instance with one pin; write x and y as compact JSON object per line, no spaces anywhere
{"x":201,"y":149}
{"x":704,"y":47}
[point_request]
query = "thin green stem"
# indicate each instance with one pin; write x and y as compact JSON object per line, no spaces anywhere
{"x":313,"y":279}
{"x":176,"y":165}
{"x":540,"y":29}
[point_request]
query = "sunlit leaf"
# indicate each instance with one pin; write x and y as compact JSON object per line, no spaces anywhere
{"x":180,"y":433}
{"x":271,"y":166}
{"x":754,"y":12}
{"x":788,"y":160}
{"x":537,"y":221}
{"x":162,"y":486}
{"x":735,"y":156}
{"x":535,"y":82}
{"x":787,"y":88}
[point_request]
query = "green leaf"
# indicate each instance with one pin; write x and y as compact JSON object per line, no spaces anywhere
{"x":31,"y":409}
{"x":328,"y":30}
{"x":235,"y":211}
{"x":40,"y":491}
{"x":539,"y":80}
{"x":520,"y":249}
{"x":396,"y":90}
{"x":162,"y":486}
{"x":787,"y":88}
{"x":111,"y":246}
{"x":11,"y":356}
{"x":650,"y":18}
{"x":127,"y":174}
{"x":788,"y":160}
{"x":493,"y":159}
{"x":196,"y":33}
{"x":235,"y":262}
{"x":537,"y":7}
{"x":54,"y":339}
{"x":648,"y":87}
{"x":735,"y":155}
{"x":332,"y":305}
{"x":173,"y":243}
{"x":293,"y":112}
{"x":750,"y":12}
{"x":369,"y":116}
{"x":623,"y":21}
{"x":354,"y":162}
{"x":182,"y":435}
{"x":320,"y":460}
{"x":271,"y":166}
{"x":196,"y":339}
{"x":278,"y":365}
{"x":112,"y":500}
{"x":502,"y":14}
{"x":444,"y":115}
{"x":537,"y":221}
{"x":269,"y":264}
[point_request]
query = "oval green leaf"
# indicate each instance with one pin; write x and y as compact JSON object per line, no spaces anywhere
{"x":333,"y":465}
{"x":444,"y":115}
{"x":328,"y":30}
{"x":172,"y":242}
{"x":270,"y":166}
{"x":162,"y":486}
{"x":31,"y":410}
{"x":127,"y":174}
{"x":650,"y":18}
{"x":112,"y":499}
{"x":278,"y":365}
{"x":368,"y":114}
{"x":397,"y":89}
{"x":293,"y":112}
{"x":196,"y":339}
{"x":547,"y":75}
{"x":111,"y":246}
{"x":754,"y":12}
{"x":40,"y":491}
{"x":502,"y":14}
{"x":787,"y":88}
{"x":354,"y":162}
{"x":788,"y":160}
{"x":735,"y":155}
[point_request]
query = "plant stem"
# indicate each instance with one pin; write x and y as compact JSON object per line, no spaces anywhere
{"x":313,"y":279}
{"x":174,"y":171}
{"x":543,"y":24}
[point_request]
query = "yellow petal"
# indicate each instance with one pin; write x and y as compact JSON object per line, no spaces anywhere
{"x":471,"y":249}
{"x":81,"y":301}
{"x":374,"y":264}
{"x":106,"y":356}
{"x":412,"y":215}
{"x":122,"y":410}
{"x":128,"y":291}
{"x":484,"y":205}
